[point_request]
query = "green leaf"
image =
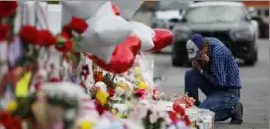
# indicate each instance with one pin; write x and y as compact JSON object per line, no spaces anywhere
{"x":53,"y":2}
{"x":72,"y":56}
{"x":77,"y":45}
{"x":61,"y":40}
{"x":79,"y":38}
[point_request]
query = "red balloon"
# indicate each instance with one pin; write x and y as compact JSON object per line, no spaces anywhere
{"x":123,"y":56}
{"x":162,"y":38}
{"x":116,"y":9}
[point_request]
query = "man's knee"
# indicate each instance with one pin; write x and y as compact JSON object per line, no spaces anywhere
{"x":191,"y":73}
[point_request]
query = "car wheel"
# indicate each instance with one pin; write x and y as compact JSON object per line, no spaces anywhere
{"x":178,"y":63}
{"x":253,"y":60}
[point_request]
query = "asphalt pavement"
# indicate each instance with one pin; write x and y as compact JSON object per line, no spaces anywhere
{"x":254,"y":94}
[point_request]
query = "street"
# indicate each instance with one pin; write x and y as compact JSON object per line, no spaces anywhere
{"x":254,"y":94}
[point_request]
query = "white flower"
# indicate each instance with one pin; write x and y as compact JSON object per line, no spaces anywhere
{"x":70,"y":114}
{"x":172,"y":127}
{"x":153,"y":117}
{"x":101,"y":85}
{"x":121,"y":107}
{"x":142,"y":112}
{"x":104,"y":123}
{"x":181,"y":125}
{"x":119,"y":91}
{"x":116,"y":125}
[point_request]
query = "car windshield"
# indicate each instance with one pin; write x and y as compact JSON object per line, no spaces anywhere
{"x":172,"y":5}
{"x":214,"y":14}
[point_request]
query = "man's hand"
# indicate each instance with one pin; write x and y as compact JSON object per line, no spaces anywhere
{"x":197,"y":65}
{"x":205,"y":58}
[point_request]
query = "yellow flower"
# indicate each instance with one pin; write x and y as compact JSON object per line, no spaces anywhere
{"x":120,"y":115}
{"x":86,"y":124}
{"x":142,"y":85}
{"x":12,"y":105}
{"x":139,"y":78}
{"x":122,"y":84}
{"x":114,"y":111}
{"x":102,"y":96}
{"x":137,"y":71}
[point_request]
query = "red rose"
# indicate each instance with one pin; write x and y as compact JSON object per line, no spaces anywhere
{"x":100,"y":108}
{"x":67,"y":30}
{"x":30,"y":34}
{"x":82,"y":84}
{"x":4,"y":31}
{"x":177,"y":108}
{"x":140,"y":92}
{"x":9,"y":121}
{"x":78,"y":24}
{"x":111,"y":92}
{"x":65,"y":47}
{"x":68,"y":45}
{"x":37,"y":85}
{"x":7,"y":8}
{"x":55,"y":79}
{"x":64,"y":35}
{"x":48,"y":38}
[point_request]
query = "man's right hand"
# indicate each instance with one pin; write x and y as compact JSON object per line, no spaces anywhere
{"x":205,"y":58}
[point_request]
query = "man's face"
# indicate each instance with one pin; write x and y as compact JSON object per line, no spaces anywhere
{"x":204,"y":50}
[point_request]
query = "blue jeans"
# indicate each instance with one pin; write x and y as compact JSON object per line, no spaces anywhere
{"x":217,"y":100}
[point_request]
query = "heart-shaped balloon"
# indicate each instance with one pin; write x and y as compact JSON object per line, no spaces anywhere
{"x":123,"y":56}
{"x":162,"y":38}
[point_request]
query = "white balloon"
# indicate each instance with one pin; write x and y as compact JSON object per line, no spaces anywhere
{"x":82,"y":9}
{"x":102,"y":52}
{"x":112,"y":30}
{"x":128,"y":8}
{"x":105,"y":31}
{"x":105,"y":10}
{"x":145,"y":33}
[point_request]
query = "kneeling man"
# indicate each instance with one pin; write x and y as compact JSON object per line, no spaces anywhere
{"x":216,"y":73}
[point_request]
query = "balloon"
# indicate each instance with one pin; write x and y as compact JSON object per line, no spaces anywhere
{"x":128,"y":7}
{"x":145,"y":33}
{"x":123,"y":56}
{"x":104,"y":32}
{"x":82,"y":9}
{"x":161,"y":39}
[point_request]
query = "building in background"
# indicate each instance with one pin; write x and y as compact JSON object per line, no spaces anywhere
{"x":260,"y":8}
{"x":259,"y":11}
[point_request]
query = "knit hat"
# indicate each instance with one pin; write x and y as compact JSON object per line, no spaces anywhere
{"x":193,"y":46}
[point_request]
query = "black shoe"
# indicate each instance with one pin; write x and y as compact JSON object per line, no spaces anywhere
{"x":237,"y":114}
{"x":197,"y":103}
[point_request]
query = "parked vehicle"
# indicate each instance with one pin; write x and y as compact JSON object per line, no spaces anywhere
{"x":166,"y":12}
{"x":230,"y":22}
{"x":263,"y":26}
{"x":261,"y":15}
